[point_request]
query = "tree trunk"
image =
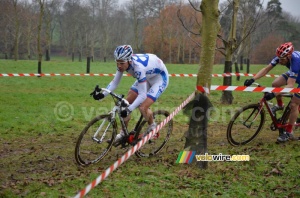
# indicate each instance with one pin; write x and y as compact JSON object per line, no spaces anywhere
{"x":47,"y":58}
{"x":241,"y":62}
{"x":79,"y":57}
{"x":227,"y":97}
{"x":73,"y":56}
{"x":40,"y":52}
{"x":17,"y":30}
{"x":197,"y":135}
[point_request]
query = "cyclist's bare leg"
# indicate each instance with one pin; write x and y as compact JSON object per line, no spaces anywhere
{"x":131,"y":96}
{"x":278,"y":82}
{"x":144,"y":107}
{"x":146,"y":111}
{"x":294,"y":105}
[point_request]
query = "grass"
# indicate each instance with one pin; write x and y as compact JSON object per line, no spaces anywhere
{"x":42,"y":117}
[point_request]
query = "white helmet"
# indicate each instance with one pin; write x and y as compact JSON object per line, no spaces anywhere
{"x":123,"y":52}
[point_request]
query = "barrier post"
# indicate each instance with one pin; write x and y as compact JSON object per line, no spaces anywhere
{"x":248,"y":65}
{"x":237,"y":71}
{"x":88,"y":64}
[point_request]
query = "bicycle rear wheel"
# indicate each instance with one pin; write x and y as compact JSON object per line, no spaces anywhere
{"x":95,"y":140}
{"x":245,"y":125}
{"x":153,"y":146}
{"x":285,"y":119}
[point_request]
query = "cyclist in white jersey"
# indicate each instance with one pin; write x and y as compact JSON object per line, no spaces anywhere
{"x":152,"y":79}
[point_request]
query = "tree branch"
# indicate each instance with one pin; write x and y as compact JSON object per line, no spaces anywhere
{"x":182,"y":23}
{"x":194,"y":6}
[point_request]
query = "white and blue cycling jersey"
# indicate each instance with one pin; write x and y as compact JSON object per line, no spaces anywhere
{"x":151,"y":75}
{"x":293,"y":65}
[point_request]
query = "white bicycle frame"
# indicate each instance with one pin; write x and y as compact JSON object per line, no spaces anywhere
{"x":116,"y":110}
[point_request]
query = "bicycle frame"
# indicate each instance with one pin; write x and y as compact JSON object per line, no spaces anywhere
{"x":277,"y":123}
{"x":114,"y":113}
{"x":98,"y":136}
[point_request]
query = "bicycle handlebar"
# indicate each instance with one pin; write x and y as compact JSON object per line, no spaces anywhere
{"x":124,"y":102}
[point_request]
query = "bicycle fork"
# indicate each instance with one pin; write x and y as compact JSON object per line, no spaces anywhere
{"x":250,"y":116}
{"x":99,"y":129}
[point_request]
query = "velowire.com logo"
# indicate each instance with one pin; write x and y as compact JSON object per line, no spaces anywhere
{"x":187,"y":157}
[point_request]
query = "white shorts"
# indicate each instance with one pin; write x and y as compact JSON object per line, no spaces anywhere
{"x":155,"y":85}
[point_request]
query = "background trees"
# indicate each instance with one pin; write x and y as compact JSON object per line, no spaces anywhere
{"x":79,"y":28}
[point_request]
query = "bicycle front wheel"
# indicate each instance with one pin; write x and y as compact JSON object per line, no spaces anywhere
{"x":245,"y":125}
{"x":153,"y":146}
{"x":95,"y":140}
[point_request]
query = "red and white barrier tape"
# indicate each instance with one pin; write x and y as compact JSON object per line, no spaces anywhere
{"x":171,"y":75}
{"x":241,"y":74}
{"x":53,"y":74}
{"x":251,"y":89}
{"x":126,"y":156}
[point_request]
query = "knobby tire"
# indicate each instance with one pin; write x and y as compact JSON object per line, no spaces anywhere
{"x":89,"y":151}
{"x":237,"y":133}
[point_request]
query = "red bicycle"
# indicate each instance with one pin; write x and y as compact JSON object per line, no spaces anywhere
{"x":248,"y":121}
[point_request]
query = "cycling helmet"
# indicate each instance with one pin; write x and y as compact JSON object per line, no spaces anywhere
{"x":123,"y":52}
{"x":284,"y":50}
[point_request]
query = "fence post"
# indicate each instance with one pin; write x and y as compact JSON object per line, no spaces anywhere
{"x":39,"y":68}
{"x":248,"y":66}
{"x":241,"y":62}
{"x":237,"y":71}
{"x":88,"y":64}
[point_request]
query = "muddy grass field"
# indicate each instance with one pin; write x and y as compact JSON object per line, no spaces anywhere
{"x":44,"y":166}
{"x":37,"y":148}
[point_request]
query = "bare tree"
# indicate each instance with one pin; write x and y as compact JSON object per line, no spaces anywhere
{"x":95,"y":27}
{"x":196,"y":138}
{"x":135,"y":9}
{"x":106,"y":6}
{"x":51,"y":11}
{"x":30,"y":23}
{"x":6,"y":27}
{"x":230,"y":47}
{"x":17,"y":35}
{"x":39,"y":47}
{"x":235,"y":44}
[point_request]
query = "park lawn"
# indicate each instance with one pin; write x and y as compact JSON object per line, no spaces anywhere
{"x":41,"y":118}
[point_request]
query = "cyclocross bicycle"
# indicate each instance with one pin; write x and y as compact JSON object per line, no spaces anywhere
{"x":248,"y":121}
{"x":97,"y":138}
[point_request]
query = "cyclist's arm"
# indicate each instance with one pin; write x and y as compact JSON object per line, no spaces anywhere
{"x":263,"y":72}
{"x":114,"y":83}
